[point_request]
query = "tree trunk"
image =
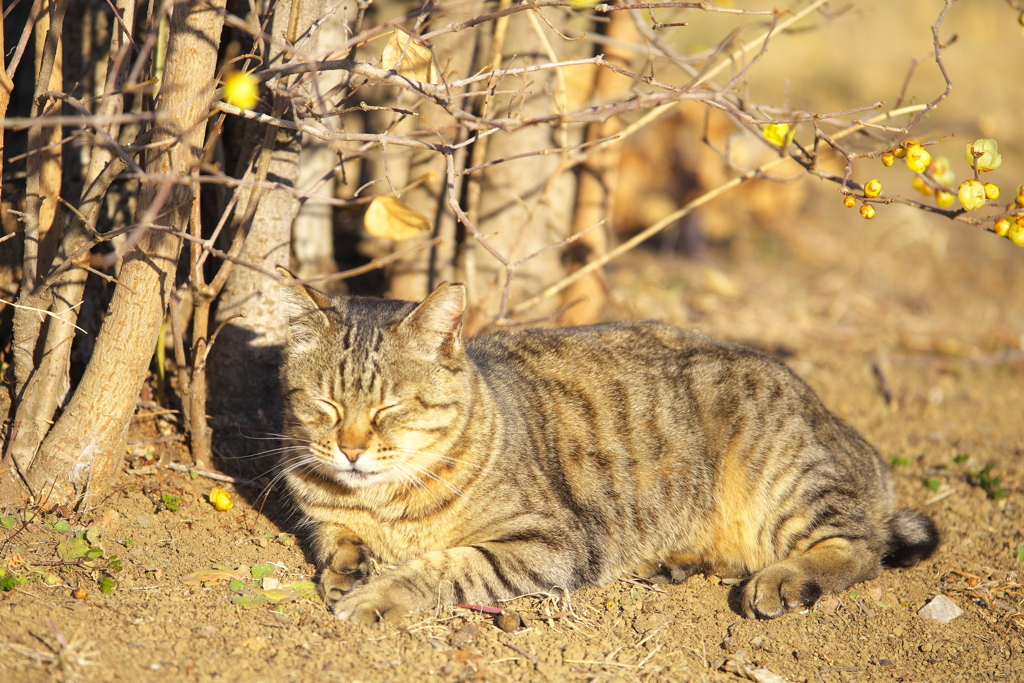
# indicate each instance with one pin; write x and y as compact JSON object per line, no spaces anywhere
{"x":50,"y":381}
{"x":244,"y":360}
{"x":81,"y":455}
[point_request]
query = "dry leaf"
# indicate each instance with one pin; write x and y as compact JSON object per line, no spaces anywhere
{"x":409,"y":58}
{"x":391,"y":218}
{"x":214,"y":576}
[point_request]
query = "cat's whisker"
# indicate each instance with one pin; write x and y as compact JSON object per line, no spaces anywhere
{"x":437,"y":478}
{"x":437,"y":456}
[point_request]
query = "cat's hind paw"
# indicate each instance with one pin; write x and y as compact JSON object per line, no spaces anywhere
{"x":775,"y":590}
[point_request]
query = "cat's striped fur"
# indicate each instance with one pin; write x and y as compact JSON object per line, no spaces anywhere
{"x":539,"y":460}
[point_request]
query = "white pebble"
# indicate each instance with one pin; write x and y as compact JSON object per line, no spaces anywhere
{"x":942,"y":608}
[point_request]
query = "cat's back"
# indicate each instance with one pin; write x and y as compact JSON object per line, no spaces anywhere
{"x":594,"y":353}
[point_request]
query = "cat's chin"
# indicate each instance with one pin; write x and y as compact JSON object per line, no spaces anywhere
{"x":357,"y":479}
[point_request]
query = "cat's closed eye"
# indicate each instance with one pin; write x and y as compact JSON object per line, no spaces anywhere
{"x":332,"y":410}
{"x":378,"y":415}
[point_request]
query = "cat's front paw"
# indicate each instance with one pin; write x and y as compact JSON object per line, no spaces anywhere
{"x":775,"y":590}
{"x":369,"y":604}
{"x":335,"y":584}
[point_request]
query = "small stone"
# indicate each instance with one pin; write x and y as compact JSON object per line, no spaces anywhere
{"x":464,"y":636}
{"x":941,"y":608}
{"x":649,"y":621}
{"x":508,"y":621}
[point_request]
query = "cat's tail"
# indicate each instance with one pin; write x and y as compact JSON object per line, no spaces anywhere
{"x":913,"y":537}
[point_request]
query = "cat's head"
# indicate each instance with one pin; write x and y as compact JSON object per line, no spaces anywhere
{"x":374,"y":390}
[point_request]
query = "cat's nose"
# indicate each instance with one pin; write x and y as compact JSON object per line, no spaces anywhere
{"x":352,"y":453}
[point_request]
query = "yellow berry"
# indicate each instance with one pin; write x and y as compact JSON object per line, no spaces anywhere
{"x":867,"y":211}
{"x":972,"y":194}
{"x":1002,"y":226}
{"x":849,"y":201}
{"x":918,"y":158}
{"x":241,"y":90}
{"x":1020,"y":197}
{"x":872,"y":189}
{"x":992,"y":191}
{"x":922,"y":186}
{"x":900,"y":152}
{"x":983,"y":154}
{"x":888,"y":159}
{"x":944,"y":199}
{"x":780,"y":134}
{"x":940,"y":172}
{"x":221,"y":499}
{"x":1016,"y":234}
{"x":80,"y":593}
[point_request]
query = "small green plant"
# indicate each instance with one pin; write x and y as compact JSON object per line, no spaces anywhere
{"x":60,"y":526}
{"x":81,"y":551}
{"x":9,"y":582}
{"x":897,"y":459}
{"x":1020,"y":552}
{"x":173,"y":503}
{"x":8,"y":521}
{"x":961,"y":459}
{"x":127,"y":543}
{"x":989,"y":484}
{"x":933,"y":484}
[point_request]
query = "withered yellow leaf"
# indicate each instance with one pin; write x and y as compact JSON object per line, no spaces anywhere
{"x":409,"y":58}
{"x":391,"y":218}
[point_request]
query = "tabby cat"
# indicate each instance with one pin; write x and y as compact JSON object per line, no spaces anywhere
{"x":542,"y":460}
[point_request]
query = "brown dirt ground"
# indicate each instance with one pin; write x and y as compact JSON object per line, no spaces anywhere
{"x":931,"y":304}
{"x":936,"y":307}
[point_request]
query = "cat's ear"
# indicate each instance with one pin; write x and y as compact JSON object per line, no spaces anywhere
{"x":305,"y":305}
{"x":435,"y":326}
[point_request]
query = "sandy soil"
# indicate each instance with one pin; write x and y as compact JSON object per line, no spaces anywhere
{"x":911,"y":329}
{"x":931,"y":306}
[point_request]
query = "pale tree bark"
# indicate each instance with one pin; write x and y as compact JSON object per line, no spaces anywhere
{"x":583,"y":301}
{"x":50,"y":381}
{"x":526,"y":204}
{"x":83,"y":451}
{"x":313,"y":228}
{"x":414,"y":275}
{"x":243,"y":362}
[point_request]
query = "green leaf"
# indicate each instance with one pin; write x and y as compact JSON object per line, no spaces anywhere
{"x":72,"y":549}
{"x":107,"y":585}
{"x":94,"y":553}
{"x":276,"y":595}
{"x":987,"y":482}
{"x":1020,"y":552}
{"x":8,"y":521}
{"x":127,"y":543}
{"x":933,"y":484}
{"x":248,"y":601}
{"x":236,"y":586}
{"x":193,"y":474}
{"x":304,"y":590}
{"x":961,"y":459}
{"x":9,"y":583}
{"x":261,"y":570}
{"x":634,"y":593}
{"x":62,"y":526}
{"x":896,"y":459}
